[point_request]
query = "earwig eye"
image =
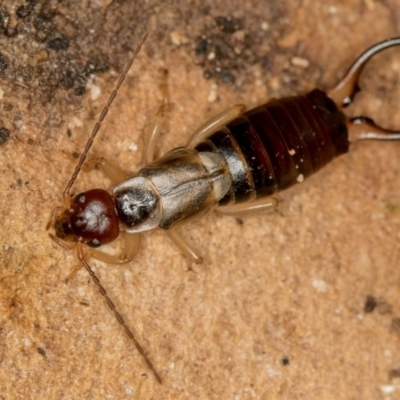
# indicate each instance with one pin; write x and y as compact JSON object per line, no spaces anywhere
{"x":79,"y":198}
{"x":94,"y":243}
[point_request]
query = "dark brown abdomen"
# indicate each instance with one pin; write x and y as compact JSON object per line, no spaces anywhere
{"x":279,"y":144}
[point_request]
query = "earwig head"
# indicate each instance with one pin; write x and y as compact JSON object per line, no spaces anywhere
{"x":138,"y":204}
{"x":91,"y":219}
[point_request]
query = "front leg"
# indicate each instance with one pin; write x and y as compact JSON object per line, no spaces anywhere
{"x":131,"y":245}
{"x":111,"y":170}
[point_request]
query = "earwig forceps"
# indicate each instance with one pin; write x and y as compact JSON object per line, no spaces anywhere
{"x":343,"y":95}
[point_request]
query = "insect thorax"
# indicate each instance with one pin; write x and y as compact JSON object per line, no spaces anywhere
{"x":182,"y":185}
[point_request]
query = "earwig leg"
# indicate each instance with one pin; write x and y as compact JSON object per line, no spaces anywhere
{"x":343,"y":94}
{"x":73,"y":272}
{"x":362,"y":128}
{"x":132,"y":244}
{"x":163,"y":85}
{"x":131,"y":247}
{"x":264,"y":205}
{"x":185,"y":247}
{"x":152,"y":135}
{"x":65,"y":245}
{"x":106,"y":258}
{"x":216,"y":122}
{"x":107,"y":167}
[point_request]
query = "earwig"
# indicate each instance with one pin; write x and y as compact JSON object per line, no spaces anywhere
{"x":233,"y":164}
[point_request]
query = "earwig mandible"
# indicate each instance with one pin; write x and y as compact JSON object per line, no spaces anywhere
{"x":234,"y":164}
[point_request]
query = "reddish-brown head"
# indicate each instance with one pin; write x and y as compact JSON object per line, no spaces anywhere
{"x":91,"y":219}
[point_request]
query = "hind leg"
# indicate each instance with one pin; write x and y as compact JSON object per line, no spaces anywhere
{"x":237,"y":210}
{"x":216,"y":122}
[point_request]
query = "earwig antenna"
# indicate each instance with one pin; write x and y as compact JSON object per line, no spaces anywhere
{"x":101,"y":118}
{"x":117,"y":315}
{"x":66,"y":195}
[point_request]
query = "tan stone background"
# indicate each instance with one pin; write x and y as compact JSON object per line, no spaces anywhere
{"x":277,"y":310}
